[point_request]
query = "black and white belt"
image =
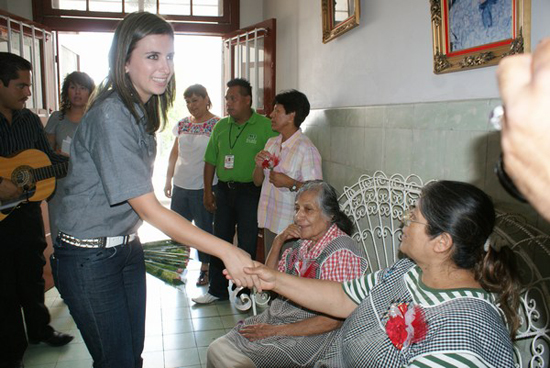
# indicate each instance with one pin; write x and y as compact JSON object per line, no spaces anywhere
{"x":104,"y":242}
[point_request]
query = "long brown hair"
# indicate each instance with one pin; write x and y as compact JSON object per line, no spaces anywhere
{"x":75,"y":78}
{"x":129,"y":31}
{"x":467,"y":214}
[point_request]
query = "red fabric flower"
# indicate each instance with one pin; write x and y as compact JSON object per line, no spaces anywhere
{"x":270,"y":162}
{"x":406,"y":325}
{"x":307,"y":269}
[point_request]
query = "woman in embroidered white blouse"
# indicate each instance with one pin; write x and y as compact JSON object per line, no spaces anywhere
{"x":443,"y":303}
{"x":185,"y":174}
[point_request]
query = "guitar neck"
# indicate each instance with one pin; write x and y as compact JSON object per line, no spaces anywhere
{"x":58,"y":171}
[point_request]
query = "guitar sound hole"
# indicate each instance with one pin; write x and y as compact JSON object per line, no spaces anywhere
{"x":22,"y":177}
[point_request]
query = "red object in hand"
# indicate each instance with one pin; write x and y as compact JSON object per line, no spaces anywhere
{"x":270,"y":162}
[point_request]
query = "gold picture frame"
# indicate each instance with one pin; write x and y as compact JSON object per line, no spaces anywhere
{"x":463,"y":38}
{"x":339,"y":16}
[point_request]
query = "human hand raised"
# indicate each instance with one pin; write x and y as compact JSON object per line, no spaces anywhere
{"x":259,"y":331}
{"x":292,"y":231}
{"x":524,"y":83}
{"x":261,"y":157}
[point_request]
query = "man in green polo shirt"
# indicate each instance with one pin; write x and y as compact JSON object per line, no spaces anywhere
{"x":230,"y":154}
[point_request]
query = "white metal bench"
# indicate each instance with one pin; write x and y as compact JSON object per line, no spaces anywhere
{"x":376,"y":203}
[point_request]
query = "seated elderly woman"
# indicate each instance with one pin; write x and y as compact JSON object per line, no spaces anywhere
{"x":442,"y":306}
{"x":285,"y":334}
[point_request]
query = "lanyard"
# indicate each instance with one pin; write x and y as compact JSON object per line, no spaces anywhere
{"x":236,"y":139}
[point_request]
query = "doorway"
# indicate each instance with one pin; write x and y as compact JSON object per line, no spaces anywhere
{"x":198,"y":59}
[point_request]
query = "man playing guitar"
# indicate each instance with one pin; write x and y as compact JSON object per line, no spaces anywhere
{"x":22,"y":235}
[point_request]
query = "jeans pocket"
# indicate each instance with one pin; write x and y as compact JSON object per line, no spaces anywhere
{"x":101,"y":254}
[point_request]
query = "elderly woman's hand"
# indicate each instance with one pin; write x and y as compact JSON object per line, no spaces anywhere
{"x":235,"y":260}
{"x":280,"y":180}
{"x":291,"y":232}
{"x":259,"y":331}
{"x":260,"y":157}
{"x":265,"y":278}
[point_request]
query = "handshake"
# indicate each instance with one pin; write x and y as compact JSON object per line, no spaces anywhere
{"x":256,"y":276}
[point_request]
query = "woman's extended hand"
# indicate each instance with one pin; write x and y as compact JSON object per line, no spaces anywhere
{"x":259,"y":331}
{"x":235,"y":260}
{"x":265,"y":276}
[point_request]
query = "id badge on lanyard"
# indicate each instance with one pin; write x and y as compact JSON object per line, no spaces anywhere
{"x":229,"y":162}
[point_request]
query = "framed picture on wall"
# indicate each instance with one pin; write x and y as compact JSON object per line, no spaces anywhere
{"x":471,"y":34}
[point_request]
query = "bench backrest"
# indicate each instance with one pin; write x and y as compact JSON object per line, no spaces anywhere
{"x":376,"y":204}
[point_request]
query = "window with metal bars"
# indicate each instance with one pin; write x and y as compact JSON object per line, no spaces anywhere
{"x":250,"y":53}
{"x":33,"y":42}
{"x":211,"y":17}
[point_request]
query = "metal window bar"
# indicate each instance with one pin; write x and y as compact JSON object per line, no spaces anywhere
{"x":239,"y":57}
{"x":255,"y":33}
{"x":247,"y":68}
{"x":21,"y":43}
{"x":224,"y":68}
{"x":33,"y":59}
{"x":256,"y":70}
{"x":33,"y":53}
{"x":55,"y":97}
{"x":9,"y":33}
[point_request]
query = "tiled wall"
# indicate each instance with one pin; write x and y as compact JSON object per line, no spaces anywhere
{"x":438,"y":140}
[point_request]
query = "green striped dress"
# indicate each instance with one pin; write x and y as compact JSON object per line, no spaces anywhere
{"x":464,"y":327}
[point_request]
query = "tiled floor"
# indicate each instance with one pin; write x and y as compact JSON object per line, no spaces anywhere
{"x":178,"y":332}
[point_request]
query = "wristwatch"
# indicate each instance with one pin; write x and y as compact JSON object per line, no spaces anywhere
{"x":294,"y":187}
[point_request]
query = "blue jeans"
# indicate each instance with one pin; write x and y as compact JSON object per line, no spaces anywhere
{"x":105,"y":291}
{"x":189,"y":203}
{"x":237,"y":206}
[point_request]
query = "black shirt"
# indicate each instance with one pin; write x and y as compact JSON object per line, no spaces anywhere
{"x":25,"y":132}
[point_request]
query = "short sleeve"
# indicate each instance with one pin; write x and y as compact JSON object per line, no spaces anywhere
{"x":176,"y":129}
{"x":211,"y":153}
{"x":311,"y":165}
{"x":359,"y":289}
{"x":53,"y":123}
{"x":342,"y":265}
{"x":122,"y":155}
{"x":448,"y":360}
{"x":42,"y":142}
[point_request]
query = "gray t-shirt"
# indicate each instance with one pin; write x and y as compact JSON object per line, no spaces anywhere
{"x":111,"y":161}
{"x":61,"y":128}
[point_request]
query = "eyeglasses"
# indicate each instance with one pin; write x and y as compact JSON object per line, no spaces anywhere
{"x":407,"y":219}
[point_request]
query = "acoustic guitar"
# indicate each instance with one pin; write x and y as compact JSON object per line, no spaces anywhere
{"x":32,"y":171}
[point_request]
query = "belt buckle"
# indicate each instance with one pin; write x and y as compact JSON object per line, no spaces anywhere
{"x":231,"y":185}
{"x":101,"y":242}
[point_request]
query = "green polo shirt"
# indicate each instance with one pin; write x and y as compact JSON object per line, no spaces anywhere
{"x":243,"y":141}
